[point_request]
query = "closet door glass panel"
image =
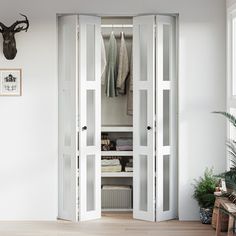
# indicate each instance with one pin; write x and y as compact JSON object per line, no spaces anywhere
{"x":90,"y":117}
{"x":166,"y":117}
{"x":143,"y":182}
{"x":90,"y":47}
{"x":166,"y":52}
{"x":91,"y":183}
{"x":166,"y":183}
{"x":143,"y":51}
{"x":143,"y":117}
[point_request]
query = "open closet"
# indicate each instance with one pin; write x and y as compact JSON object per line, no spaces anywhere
{"x":117,"y":116}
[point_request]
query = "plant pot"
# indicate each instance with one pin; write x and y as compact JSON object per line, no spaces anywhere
{"x":205,"y":215}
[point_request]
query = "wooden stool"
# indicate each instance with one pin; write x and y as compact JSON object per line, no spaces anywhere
{"x":224,"y":217}
{"x":230,"y":209}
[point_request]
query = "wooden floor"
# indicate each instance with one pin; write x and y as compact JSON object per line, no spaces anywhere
{"x":109,"y":225}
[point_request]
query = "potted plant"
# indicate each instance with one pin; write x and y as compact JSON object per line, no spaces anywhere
{"x":230,"y":176}
{"x":204,"y":189}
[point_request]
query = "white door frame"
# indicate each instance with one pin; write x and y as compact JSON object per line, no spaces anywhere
{"x":150,"y":217}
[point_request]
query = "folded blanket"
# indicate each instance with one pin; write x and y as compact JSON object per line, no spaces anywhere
{"x":116,"y":168}
{"x":128,"y":169}
{"x":110,"y":162}
{"x":124,"y":148}
{"x":124,"y":142}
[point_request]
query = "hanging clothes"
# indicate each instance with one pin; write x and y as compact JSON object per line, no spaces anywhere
{"x":111,"y":70}
{"x":131,"y":72}
{"x":123,"y":68}
{"x":103,"y":61}
{"x":130,"y":89}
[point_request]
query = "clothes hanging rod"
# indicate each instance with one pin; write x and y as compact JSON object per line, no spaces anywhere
{"x":107,"y":36}
{"x":116,"y":26}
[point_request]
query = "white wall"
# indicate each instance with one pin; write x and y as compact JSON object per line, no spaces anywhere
{"x":28,"y":127}
{"x":229,"y":3}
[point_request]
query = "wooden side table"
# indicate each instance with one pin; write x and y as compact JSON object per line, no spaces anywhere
{"x":230,"y":209}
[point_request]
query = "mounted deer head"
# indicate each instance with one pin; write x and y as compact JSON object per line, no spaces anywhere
{"x":8,"y":33}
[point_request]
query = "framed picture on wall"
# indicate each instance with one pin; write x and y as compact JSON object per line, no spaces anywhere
{"x":10,"y":82}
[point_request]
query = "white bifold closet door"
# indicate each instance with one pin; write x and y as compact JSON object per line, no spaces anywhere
{"x":68,"y":115}
{"x":154,"y":116}
{"x":144,"y":117}
{"x":79,"y":117}
{"x":166,"y":117}
{"x":89,"y":117}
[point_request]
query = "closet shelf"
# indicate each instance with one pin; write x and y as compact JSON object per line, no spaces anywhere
{"x":114,"y":174}
{"x":117,"y":153}
{"x":117,"y":174}
{"x":117,"y":128}
{"x":114,"y":153}
{"x":115,"y":209}
{"x":116,"y":26}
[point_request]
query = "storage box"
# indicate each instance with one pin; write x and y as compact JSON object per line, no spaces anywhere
{"x":120,"y":198}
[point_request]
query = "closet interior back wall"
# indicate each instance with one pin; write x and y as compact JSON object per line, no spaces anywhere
{"x":114,"y":109}
{"x":117,"y":180}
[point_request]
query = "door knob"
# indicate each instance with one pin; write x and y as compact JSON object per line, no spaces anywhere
{"x":149,"y":127}
{"x":84,"y":128}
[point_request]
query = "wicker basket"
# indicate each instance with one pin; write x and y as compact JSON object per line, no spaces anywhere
{"x":224,"y":220}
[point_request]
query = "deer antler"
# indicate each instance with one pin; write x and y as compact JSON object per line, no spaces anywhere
{"x":2,"y":27}
{"x":20,"y":28}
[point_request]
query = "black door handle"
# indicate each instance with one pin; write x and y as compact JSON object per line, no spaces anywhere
{"x":149,"y":127}
{"x":84,"y":128}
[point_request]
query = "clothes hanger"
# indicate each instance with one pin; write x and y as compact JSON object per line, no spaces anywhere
{"x":112,"y":28}
{"x":122,"y":32}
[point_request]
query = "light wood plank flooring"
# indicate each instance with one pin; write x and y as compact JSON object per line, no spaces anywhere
{"x":109,"y":225}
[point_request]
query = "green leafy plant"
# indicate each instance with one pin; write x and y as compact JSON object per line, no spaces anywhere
{"x":231,"y":118}
{"x":231,"y":144}
{"x":230,"y":180}
{"x":230,"y":176}
{"x":204,"y":189}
